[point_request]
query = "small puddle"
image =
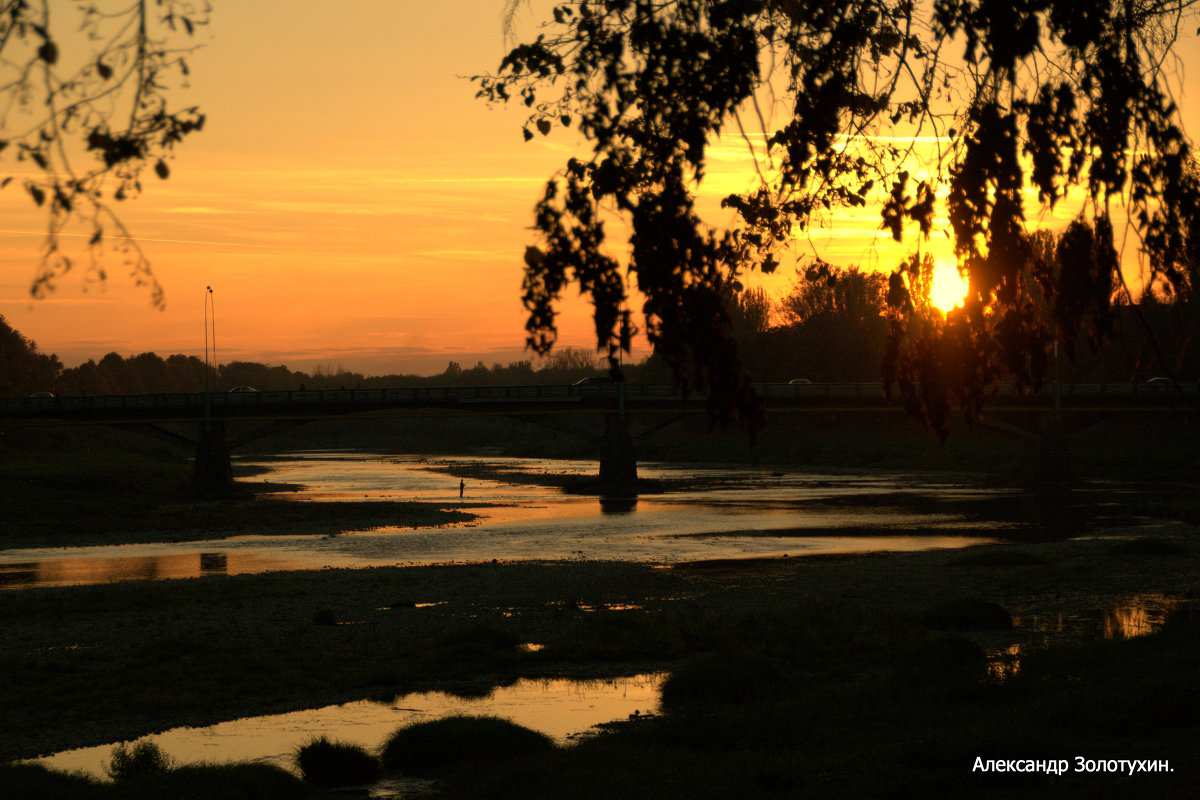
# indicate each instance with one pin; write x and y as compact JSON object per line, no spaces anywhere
{"x":562,"y":709}
{"x":1138,"y":615}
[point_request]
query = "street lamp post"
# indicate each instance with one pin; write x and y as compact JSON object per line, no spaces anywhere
{"x":208,"y":301}
{"x":212,"y":307}
{"x":212,"y":475}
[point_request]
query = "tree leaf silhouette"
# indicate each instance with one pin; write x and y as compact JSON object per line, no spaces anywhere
{"x":1056,"y":97}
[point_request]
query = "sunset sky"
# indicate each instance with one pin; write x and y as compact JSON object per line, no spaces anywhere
{"x":349,"y":200}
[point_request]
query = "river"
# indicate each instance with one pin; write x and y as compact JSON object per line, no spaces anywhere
{"x":705,"y":512}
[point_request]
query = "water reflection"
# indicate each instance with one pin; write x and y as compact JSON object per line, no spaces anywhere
{"x":618,"y":505}
{"x":1004,"y":664}
{"x":91,"y":569}
{"x":1133,"y":616}
{"x":214,"y":564}
{"x":563,"y":709}
{"x":1137,"y":616}
{"x":708,"y":514}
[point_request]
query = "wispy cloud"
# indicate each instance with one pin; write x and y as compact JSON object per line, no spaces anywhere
{"x":473,"y":255}
{"x":197,"y":210}
{"x":88,"y":235}
{"x":433,"y":180}
{"x":54,"y":300}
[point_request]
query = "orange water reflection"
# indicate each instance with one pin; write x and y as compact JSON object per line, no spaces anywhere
{"x":1004,"y":664}
{"x":1133,"y":616}
{"x":562,"y":709}
{"x":90,"y":570}
{"x":1138,"y":616}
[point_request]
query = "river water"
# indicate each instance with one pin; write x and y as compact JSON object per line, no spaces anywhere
{"x":708,"y":512}
{"x":704,"y":513}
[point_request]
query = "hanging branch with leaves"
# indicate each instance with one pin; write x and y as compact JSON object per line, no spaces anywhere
{"x":988,"y":100}
{"x":85,"y":110}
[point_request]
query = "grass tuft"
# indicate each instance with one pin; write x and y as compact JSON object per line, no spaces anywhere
{"x":437,"y":747}
{"x":38,"y":782}
{"x":967,"y":614}
{"x":724,"y":678}
{"x":244,"y":781}
{"x":144,"y":758}
{"x":326,"y":763}
{"x":238,"y":781}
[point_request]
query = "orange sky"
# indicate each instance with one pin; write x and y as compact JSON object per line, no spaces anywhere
{"x":349,"y":201}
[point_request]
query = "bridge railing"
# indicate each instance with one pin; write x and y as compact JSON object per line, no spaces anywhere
{"x":416,"y":395}
{"x":466,"y":395}
{"x":814,"y":391}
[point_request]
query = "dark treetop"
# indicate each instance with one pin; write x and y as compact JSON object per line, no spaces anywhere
{"x":992,"y":97}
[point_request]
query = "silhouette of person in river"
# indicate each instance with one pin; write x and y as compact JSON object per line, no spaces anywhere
{"x":461,"y":486}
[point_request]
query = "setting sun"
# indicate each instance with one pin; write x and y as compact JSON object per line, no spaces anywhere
{"x":948,"y":287}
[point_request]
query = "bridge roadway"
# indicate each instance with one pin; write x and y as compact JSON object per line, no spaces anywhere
{"x":573,"y":399}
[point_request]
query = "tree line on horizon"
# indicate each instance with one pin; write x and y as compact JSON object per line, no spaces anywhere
{"x":833,"y":327}
{"x":830,"y":327}
{"x":25,"y":370}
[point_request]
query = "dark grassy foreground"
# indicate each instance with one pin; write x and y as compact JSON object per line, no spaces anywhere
{"x":445,"y":746}
{"x":846,"y":677}
{"x":913,"y":728}
{"x":332,"y":763}
{"x":190,"y":782}
{"x":896,"y":725}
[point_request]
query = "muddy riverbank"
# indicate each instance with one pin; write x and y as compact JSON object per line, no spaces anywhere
{"x":94,"y":664}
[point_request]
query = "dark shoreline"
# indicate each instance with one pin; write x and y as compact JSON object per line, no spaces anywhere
{"x":220,"y":519}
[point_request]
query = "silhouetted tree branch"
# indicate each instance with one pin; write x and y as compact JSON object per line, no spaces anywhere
{"x":84,"y":92}
{"x":956,"y":108}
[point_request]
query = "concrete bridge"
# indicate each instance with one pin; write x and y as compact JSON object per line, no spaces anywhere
{"x":211,"y":411}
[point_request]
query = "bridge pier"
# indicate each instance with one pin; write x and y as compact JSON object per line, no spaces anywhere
{"x":618,"y":461}
{"x":212,"y":471}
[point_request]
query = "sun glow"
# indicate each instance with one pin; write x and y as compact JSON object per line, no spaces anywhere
{"x":948,"y":287}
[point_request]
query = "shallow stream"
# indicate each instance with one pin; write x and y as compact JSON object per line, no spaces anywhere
{"x":705,"y":513}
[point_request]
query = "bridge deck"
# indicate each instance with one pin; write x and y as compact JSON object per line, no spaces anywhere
{"x":542,"y":399}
